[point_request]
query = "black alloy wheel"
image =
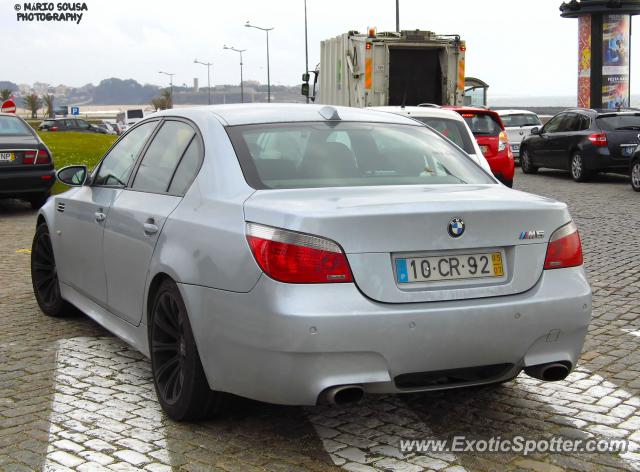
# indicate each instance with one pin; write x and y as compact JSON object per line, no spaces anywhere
{"x":179,"y":379}
{"x":44,"y":275}
{"x":525,"y":162}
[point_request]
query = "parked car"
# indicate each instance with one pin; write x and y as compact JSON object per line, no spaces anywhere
{"x":489,"y":131}
{"x":448,"y":123}
{"x":518,"y":125}
{"x":69,"y":124}
{"x":26,"y":165}
{"x":583,"y":141}
{"x":302,"y":253}
{"x":107,"y":126}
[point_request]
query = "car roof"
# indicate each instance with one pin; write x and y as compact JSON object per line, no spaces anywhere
{"x":603,"y":111}
{"x":258,"y":113}
{"x":426,"y":112}
{"x":515,"y":112}
{"x":473,"y":110}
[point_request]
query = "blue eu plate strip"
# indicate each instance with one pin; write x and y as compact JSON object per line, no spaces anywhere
{"x":401,"y":271}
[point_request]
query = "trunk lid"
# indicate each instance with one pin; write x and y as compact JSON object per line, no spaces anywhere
{"x":16,"y":146}
{"x":517,"y":134}
{"x":377,"y":225}
{"x":623,"y":133}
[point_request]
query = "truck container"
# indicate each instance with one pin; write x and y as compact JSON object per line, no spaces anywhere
{"x":382,"y":69}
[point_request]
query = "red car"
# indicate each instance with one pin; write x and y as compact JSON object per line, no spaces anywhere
{"x":489,"y":131}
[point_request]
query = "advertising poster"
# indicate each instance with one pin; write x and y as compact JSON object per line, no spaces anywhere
{"x":584,"y":61}
{"x":615,"y":60}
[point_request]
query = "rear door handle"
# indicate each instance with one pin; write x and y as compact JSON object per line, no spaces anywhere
{"x":150,"y":228}
{"x":100,"y":217}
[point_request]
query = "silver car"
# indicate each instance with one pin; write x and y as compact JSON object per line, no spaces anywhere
{"x":299,"y":253}
{"x":518,"y":125}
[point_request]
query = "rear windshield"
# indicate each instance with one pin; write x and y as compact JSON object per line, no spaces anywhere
{"x":619,"y":122}
{"x":330,"y":154}
{"x":482,"y":124}
{"x":135,"y":114}
{"x":522,"y":119}
{"x":452,"y":129}
{"x":13,"y":126}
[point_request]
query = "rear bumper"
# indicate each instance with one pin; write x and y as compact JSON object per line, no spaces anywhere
{"x":600,"y":159}
{"x":286,"y":344}
{"x":15,"y":183}
{"x":502,"y":166}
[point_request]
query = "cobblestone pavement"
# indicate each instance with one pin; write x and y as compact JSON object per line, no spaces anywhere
{"x":72,"y":397}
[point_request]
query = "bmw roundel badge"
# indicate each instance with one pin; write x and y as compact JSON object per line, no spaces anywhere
{"x":456,"y":227}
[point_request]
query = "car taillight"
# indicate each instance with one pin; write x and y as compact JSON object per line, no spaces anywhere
{"x":598,"y":139}
{"x":36,"y":157}
{"x":292,"y":257}
{"x":503,"y":141}
{"x":564,"y":249}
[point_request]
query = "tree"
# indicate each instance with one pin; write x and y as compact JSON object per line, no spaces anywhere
{"x":32,"y":103}
{"x":166,"y":96}
{"x":5,"y":94}
{"x":48,"y":103}
{"x":159,"y":103}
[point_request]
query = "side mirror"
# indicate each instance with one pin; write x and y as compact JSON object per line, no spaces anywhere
{"x":74,"y":176}
{"x":535,"y":131}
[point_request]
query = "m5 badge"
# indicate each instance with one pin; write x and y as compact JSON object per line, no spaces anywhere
{"x":532,"y":235}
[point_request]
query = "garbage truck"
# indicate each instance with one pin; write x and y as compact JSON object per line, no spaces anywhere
{"x":377,"y":69}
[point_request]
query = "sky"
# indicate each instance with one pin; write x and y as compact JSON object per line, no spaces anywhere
{"x":519,"y":47}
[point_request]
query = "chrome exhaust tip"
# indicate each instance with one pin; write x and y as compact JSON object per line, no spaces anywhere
{"x":551,"y":372}
{"x":344,"y":394}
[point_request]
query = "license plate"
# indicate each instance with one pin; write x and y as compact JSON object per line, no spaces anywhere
{"x":515,"y":147}
{"x":628,"y":150}
{"x":454,"y":267}
{"x":6,"y":157}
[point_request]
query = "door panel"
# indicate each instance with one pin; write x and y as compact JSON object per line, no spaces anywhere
{"x":131,"y":233}
{"x":81,"y":262}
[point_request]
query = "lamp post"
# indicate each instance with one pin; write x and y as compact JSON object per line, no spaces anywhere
{"x":397,"y":16}
{"x":240,"y":51}
{"x":170,"y":74}
{"x":249,"y":25}
{"x":306,"y":45}
{"x":208,"y":64}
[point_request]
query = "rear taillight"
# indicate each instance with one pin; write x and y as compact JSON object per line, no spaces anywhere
{"x":564,"y":249}
{"x":36,"y":157}
{"x":598,"y":139}
{"x":503,"y":141}
{"x":291,"y":257}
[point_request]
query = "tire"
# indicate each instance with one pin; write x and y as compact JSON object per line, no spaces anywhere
{"x":635,"y":175}
{"x":576,"y":166}
{"x":525,"y":162}
{"x":44,"y":276}
{"x":178,"y":376}
{"x":36,"y":201}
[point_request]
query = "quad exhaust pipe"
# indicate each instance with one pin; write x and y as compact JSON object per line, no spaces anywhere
{"x":343,"y":394}
{"x":551,"y":372}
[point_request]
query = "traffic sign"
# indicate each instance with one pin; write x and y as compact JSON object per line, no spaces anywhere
{"x":75,"y":110}
{"x":8,"y":106}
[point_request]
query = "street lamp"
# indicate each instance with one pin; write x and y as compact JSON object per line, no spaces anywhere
{"x":306,"y":45}
{"x":397,"y":16}
{"x":240,"y":51}
{"x":208,"y":64}
{"x":170,"y":74}
{"x":249,"y":25}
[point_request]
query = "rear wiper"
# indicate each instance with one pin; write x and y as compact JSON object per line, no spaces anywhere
{"x":628,"y":128}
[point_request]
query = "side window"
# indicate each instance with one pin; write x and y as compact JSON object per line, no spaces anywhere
{"x":162,"y":157}
{"x":187,"y":169}
{"x":82,"y":124}
{"x":116,"y":167}
{"x":554,"y":124}
{"x":585,"y":122}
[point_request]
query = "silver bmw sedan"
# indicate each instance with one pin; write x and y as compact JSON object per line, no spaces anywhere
{"x":298,"y":254}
